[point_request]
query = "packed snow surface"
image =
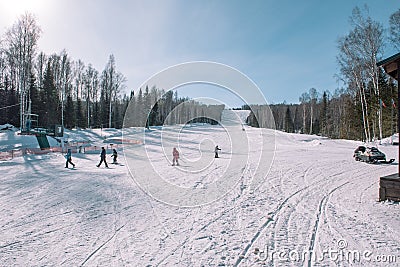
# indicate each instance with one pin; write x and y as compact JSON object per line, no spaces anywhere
{"x":313,"y":198}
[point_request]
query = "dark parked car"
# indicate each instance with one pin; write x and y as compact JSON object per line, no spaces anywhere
{"x":370,"y":155}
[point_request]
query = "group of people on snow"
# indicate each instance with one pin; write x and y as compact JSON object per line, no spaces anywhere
{"x":175,"y":155}
{"x":103,"y":154}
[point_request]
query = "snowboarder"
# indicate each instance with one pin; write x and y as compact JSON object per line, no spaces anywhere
{"x":216,"y":151}
{"x":175,"y":155}
{"x":68,"y":156}
{"x":102,"y":157}
{"x":114,"y":156}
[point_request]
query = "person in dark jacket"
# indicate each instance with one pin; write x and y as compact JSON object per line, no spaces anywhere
{"x":114,"y":156}
{"x":216,"y":151}
{"x":102,"y":157}
{"x":68,"y":156}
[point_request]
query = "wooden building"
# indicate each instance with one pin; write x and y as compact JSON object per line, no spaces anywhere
{"x":390,"y":185}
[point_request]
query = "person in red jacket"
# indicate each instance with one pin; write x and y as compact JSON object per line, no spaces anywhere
{"x":175,"y":158}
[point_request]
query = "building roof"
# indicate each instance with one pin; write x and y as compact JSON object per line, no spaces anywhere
{"x":391,"y":65}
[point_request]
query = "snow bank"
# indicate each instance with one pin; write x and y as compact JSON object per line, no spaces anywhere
{"x":389,"y":141}
{"x":8,"y":127}
{"x":10,"y":140}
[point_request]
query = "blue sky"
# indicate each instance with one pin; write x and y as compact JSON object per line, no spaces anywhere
{"x":286,"y":47}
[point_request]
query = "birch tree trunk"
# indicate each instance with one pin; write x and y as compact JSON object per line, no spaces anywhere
{"x":21,"y":42}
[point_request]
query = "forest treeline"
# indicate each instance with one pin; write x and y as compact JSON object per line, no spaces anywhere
{"x":63,"y":91}
{"x":365,"y":108}
{"x":57,"y":88}
{"x":155,"y":107}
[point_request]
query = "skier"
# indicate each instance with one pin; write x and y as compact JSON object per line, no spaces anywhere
{"x":114,"y":156}
{"x":68,"y":156}
{"x":175,"y":155}
{"x":102,"y":157}
{"x":216,"y":151}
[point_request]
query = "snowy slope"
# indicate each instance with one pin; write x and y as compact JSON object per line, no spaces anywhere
{"x":11,"y":139}
{"x":95,"y":136}
{"x":314,"y":197}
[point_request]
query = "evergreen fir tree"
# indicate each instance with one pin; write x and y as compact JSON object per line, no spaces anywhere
{"x":13,"y":111}
{"x":252,"y":120}
{"x":104,"y":108}
{"x":152,"y":119}
{"x":323,"y":114}
{"x":50,"y":100}
{"x":34,"y":94}
{"x":117,"y":115}
{"x":80,"y":117}
{"x":139,"y":112}
{"x":96,"y":115}
{"x":289,"y":127}
{"x":3,"y":104}
{"x":69,"y":113}
{"x":124,"y":108}
{"x":298,"y":121}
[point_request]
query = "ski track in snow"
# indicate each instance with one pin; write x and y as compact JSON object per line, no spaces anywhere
{"x":285,"y":214}
{"x":314,"y":195}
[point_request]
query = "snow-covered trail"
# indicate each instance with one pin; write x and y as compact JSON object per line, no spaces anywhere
{"x":324,"y":199}
{"x":315,"y":195}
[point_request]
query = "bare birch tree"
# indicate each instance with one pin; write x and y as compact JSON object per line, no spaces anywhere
{"x":304,"y":99}
{"x":359,"y":52}
{"x":368,"y":36}
{"x":313,"y":101}
{"x":353,"y":73}
{"x":91,"y":83}
{"x":21,"y":42}
{"x":40,"y":67}
{"x":394,"y":29}
{"x":112,"y":83}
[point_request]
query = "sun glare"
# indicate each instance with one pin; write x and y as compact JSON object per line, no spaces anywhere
{"x":12,"y":9}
